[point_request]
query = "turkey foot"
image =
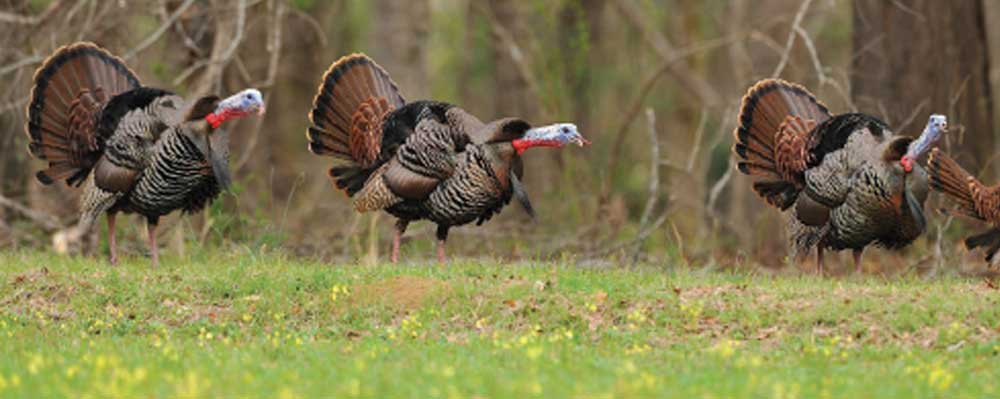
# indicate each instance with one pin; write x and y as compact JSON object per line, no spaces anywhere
{"x":112,"y":243}
{"x":397,"y":239}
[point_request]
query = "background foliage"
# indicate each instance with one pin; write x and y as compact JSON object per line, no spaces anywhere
{"x":634,"y":74}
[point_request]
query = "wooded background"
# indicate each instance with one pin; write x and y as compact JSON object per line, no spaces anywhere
{"x":654,"y":84}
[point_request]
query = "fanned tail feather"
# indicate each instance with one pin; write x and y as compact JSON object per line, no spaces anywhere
{"x":949,"y":178}
{"x":989,"y":239}
{"x":348,"y":110}
{"x":70,"y":89}
{"x":769,"y":107}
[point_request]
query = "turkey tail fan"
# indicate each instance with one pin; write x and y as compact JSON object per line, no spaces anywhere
{"x":775,"y":121}
{"x":354,"y":97}
{"x":70,"y":90}
{"x":949,"y":178}
{"x":989,"y":239}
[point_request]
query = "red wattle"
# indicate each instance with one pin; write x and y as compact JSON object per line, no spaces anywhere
{"x":907,"y":164}
{"x":215,"y":119}
{"x":523,"y":144}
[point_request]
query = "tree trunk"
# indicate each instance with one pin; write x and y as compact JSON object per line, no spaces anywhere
{"x":401,"y":30}
{"x":918,"y":57}
{"x":579,"y":41}
{"x":512,"y":90}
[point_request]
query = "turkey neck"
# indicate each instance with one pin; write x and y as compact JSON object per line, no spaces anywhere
{"x":504,"y":159}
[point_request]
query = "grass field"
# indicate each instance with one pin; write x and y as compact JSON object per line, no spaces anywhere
{"x":247,"y":325}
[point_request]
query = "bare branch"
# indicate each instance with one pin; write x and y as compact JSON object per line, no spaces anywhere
{"x":654,"y":168}
{"x":791,"y":38}
{"x":152,"y":38}
{"x":698,"y":134}
{"x":314,"y":24}
{"x":654,"y":179}
{"x":516,"y":55}
{"x":647,"y":87}
{"x":689,"y":80}
{"x":17,"y":19}
{"x":272,"y":72}
{"x":32,"y":60}
{"x":821,"y":75}
{"x":46,"y":221}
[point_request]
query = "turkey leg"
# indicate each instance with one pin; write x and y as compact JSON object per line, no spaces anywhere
{"x":112,"y":243}
{"x":442,"y":236}
{"x":151,"y":236}
{"x":398,"y":238}
{"x":819,"y":260}
{"x":857,"y":261}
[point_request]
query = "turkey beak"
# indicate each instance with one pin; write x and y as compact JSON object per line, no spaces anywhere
{"x":578,"y":139}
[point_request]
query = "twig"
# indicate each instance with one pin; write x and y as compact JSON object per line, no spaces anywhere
{"x":221,"y":56}
{"x":315,"y":25}
{"x":17,"y":19}
{"x":688,"y":80}
{"x":654,"y":178}
{"x":20,"y":64}
{"x":821,"y":75}
{"x":791,"y":38}
{"x":241,"y":18}
{"x":272,"y":72}
{"x":291,"y":193}
{"x":638,"y":238}
{"x":152,"y":38}
{"x":713,"y":195}
{"x":938,"y":252}
{"x":654,"y":168}
{"x":19,"y":103}
{"x":187,"y":72}
{"x":702,"y":122}
{"x":275,"y":46}
{"x":179,"y":28}
{"x":913,"y":115}
{"x":909,"y":10}
{"x":640,"y":98}
{"x":516,"y":55}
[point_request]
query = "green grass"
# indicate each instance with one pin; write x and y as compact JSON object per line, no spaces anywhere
{"x":251,"y":325}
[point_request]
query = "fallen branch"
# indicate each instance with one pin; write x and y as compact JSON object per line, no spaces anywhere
{"x":47,"y":222}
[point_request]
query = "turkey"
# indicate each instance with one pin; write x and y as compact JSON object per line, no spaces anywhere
{"x":973,"y":199}
{"x":423,"y":159}
{"x":133,"y":148}
{"x":845,"y":180}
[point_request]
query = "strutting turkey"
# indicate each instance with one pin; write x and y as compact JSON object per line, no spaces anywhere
{"x":973,"y":199}
{"x":423,"y":159}
{"x":846,"y":180}
{"x":132,"y":148}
